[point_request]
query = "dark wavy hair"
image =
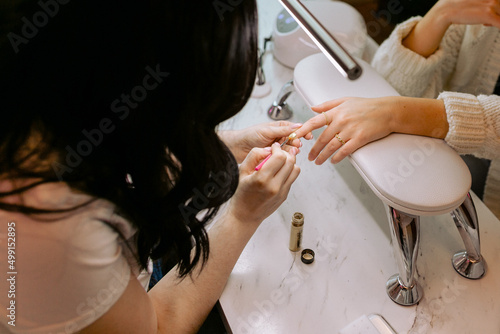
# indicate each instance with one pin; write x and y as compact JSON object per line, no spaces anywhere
{"x":123,"y":99}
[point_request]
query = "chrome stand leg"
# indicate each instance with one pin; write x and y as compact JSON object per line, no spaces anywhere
{"x":468,"y":263}
{"x":402,"y":288}
{"x":280,"y":109}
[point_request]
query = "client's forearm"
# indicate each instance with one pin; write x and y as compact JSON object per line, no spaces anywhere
{"x":419,"y":116}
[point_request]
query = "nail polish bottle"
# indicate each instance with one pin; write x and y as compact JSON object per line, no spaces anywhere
{"x":296,"y":231}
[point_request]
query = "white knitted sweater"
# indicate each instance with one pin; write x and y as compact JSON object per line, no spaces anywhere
{"x":468,"y":62}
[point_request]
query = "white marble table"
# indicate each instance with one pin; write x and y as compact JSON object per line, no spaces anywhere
{"x":270,"y":291}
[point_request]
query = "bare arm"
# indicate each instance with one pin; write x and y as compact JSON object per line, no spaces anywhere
{"x":426,"y":36}
{"x":359,"y":121}
{"x":174,"y":305}
{"x":180,"y":306}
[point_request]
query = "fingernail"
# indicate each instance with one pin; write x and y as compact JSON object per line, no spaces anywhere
{"x":300,"y":144}
{"x":276,"y":144}
{"x":268,"y":149}
{"x":296,"y":125}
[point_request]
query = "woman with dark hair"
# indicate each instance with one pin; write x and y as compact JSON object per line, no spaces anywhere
{"x":109,"y":158}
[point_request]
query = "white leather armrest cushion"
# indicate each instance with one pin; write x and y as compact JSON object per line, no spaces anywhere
{"x":417,"y":175}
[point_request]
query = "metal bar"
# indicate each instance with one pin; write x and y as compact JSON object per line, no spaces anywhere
{"x":339,"y":57}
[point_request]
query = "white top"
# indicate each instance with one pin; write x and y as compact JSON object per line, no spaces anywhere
{"x":69,"y":269}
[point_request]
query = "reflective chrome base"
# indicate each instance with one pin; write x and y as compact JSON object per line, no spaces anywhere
{"x":469,"y":263}
{"x":401,"y":294}
{"x":280,"y":110}
{"x":402,"y":288}
{"x":467,"y":267}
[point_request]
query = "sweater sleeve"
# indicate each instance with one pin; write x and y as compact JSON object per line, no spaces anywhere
{"x":474,"y":123}
{"x":412,"y":74}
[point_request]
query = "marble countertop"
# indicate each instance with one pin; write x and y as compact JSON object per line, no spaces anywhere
{"x":271,"y":291}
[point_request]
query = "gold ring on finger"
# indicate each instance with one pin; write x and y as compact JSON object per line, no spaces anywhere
{"x":326,"y":118}
{"x":339,"y":139}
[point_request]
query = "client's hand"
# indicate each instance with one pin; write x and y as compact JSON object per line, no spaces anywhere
{"x":352,"y":123}
{"x":261,"y":192}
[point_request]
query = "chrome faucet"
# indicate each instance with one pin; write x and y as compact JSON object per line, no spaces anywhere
{"x":280,"y":109}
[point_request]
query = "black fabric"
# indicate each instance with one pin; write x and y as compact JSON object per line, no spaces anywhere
{"x":214,"y":324}
{"x":401,"y":10}
{"x":479,"y":170}
{"x":496,"y":91}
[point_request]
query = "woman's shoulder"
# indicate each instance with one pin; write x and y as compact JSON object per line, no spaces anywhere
{"x":78,"y":258}
{"x":60,"y":204}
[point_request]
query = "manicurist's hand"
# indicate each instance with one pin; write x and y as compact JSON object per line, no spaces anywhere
{"x":181,"y":306}
{"x":261,"y":192}
{"x":241,"y":142}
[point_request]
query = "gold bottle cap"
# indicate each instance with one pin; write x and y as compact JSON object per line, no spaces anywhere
{"x":298,"y":219}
